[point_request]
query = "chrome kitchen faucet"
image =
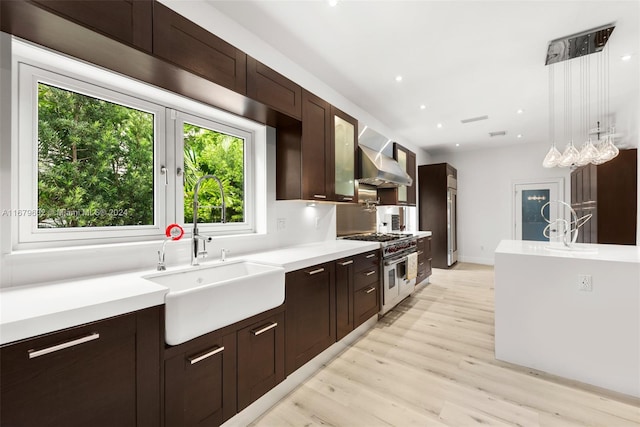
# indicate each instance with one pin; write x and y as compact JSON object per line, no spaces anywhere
{"x":196,"y":237}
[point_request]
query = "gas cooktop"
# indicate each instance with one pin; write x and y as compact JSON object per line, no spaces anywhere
{"x":378,"y":237}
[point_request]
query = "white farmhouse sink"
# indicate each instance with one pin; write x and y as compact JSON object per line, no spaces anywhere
{"x":203,"y":299}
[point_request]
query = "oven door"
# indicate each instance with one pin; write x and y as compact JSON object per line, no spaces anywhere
{"x":394,"y":281}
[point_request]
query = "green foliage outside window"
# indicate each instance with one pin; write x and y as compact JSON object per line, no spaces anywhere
{"x":95,"y":162}
{"x":215,"y":153}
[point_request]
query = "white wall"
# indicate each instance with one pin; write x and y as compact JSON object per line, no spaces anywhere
{"x":485,"y":200}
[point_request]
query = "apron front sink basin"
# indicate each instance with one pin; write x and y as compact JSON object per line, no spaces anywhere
{"x":205,"y":298}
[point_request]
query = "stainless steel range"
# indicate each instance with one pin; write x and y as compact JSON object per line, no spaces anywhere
{"x":396,"y":249}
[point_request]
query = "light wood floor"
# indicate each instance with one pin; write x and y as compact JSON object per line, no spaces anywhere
{"x":430,"y":362}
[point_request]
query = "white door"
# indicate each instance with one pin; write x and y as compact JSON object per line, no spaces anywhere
{"x":528,"y":217}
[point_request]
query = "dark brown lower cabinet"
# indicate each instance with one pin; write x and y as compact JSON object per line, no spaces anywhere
{"x":104,"y":373}
{"x":366,"y":296}
{"x":424,"y":258}
{"x":200,"y":381}
{"x":344,"y":297}
{"x":260,"y":358}
{"x":310,"y":319}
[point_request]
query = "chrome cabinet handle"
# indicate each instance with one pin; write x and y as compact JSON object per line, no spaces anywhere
{"x":348,"y":199}
{"x":371,"y":289}
{"x":319,"y":196}
{"x":370,"y":256}
{"x":421,"y":263}
{"x":201,"y":357}
{"x":370,"y":273}
{"x":347,"y":262}
{"x":319,"y":270}
{"x":37,"y":353}
{"x":265,"y":329}
{"x":420,"y":252}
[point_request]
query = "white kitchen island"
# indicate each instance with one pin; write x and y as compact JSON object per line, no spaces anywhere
{"x":545,"y":320}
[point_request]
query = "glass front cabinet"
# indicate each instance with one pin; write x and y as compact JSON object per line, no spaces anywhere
{"x":344,"y":156}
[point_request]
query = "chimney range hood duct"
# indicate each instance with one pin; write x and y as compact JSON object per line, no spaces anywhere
{"x":380,"y":170}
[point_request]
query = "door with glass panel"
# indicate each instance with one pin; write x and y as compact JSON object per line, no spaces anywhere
{"x":531,"y":210}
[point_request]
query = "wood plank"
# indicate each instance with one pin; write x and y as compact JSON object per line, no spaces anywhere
{"x":430,"y":361}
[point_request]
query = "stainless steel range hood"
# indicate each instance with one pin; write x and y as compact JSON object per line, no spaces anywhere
{"x":380,"y":170}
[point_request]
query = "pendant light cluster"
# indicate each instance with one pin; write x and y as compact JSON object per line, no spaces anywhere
{"x":598,"y":143}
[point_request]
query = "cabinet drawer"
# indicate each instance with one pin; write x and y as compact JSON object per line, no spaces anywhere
{"x":367,"y":261}
{"x":365,"y":303}
{"x":366,"y":277}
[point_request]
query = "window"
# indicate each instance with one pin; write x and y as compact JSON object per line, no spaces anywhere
{"x":101,"y":158}
{"x":204,"y":148}
{"x":95,"y":161}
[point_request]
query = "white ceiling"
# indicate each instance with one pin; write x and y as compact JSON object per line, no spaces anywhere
{"x":461,"y":59}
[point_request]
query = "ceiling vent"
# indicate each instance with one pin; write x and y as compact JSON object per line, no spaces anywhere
{"x":499,"y":133}
{"x":474,"y":119}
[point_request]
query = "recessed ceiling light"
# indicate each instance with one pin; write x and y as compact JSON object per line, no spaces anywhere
{"x":626,"y":57}
{"x":398,"y":78}
{"x":422,"y":107}
{"x":439,"y":125}
{"x":457,"y":145}
{"x":333,"y":3}
{"x":520,"y":111}
{"x":519,"y":135}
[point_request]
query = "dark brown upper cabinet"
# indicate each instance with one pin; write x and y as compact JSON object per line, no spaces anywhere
{"x":273,"y":89}
{"x":104,"y":373}
{"x":320,"y":163}
{"x":402,"y":195}
{"x":129,"y":22}
{"x":193,"y":48}
{"x":344,"y":148}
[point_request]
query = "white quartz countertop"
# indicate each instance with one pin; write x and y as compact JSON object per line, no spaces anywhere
{"x":619,"y":253}
{"x":303,"y":256}
{"x":422,"y":233}
{"x":28,"y":311}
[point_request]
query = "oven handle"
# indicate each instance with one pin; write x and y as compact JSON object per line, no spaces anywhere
{"x":397,"y":260}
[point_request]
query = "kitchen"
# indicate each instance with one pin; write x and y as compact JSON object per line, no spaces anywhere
{"x":287,"y":223}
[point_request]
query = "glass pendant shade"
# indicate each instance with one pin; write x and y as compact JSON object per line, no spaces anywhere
{"x":588,"y":153}
{"x":552,"y":158}
{"x":608,"y":150}
{"x":569,"y":156}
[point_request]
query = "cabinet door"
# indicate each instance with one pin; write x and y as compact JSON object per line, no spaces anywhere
{"x":310,"y":319}
{"x":200,"y":383}
{"x":411,"y":170}
{"x":316,"y":130}
{"x":273,"y":89}
{"x":343,"y":157}
{"x":260,"y":358}
{"x":193,"y":48}
{"x":83,"y":376}
{"x":344,"y":297}
{"x":127,"y":21}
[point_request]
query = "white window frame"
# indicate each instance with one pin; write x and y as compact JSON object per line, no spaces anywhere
{"x":248,"y":225}
{"x":27,"y":159}
{"x":81,"y":77}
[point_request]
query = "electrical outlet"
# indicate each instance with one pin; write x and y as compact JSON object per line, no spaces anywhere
{"x":585,"y":283}
{"x":281,"y":223}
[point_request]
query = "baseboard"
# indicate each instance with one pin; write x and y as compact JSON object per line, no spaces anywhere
{"x":477,"y":260}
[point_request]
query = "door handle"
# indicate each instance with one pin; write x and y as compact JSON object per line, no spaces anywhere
{"x":265,"y":329}
{"x":370,"y":256}
{"x":347,"y":262}
{"x":319,"y":270}
{"x":37,"y":353}
{"x":195,"y":359}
